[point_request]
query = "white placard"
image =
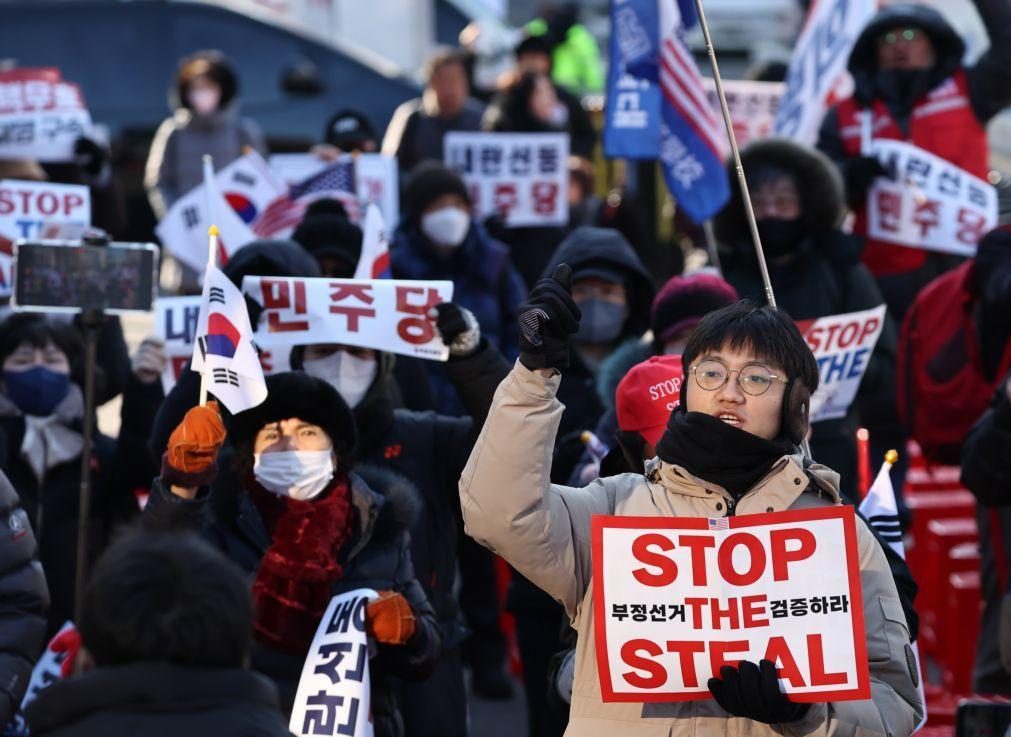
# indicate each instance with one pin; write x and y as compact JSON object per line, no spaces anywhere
{"x":753,"y":106}
{"x":675,"y":599}
{"x":521,"y":176}
{"x":928,"y":202}
{"x":41,"y":115}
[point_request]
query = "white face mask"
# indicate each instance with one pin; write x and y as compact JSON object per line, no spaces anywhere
{"x":349,"y":375}
{"x":300,"y":474}
{"x":446,"y":226}
{"x":204,"y":101}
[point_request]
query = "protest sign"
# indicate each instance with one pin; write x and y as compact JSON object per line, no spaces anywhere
{"x":176,"y":323}
{"x":753,"y":106}
{"x":334,"y":696}
{"x":522,"y":176}
{"x":842,"y":346}
{"x":383,"y":314}
{"x":36,"y":210}
{"x":676,"y":598}
{"x":928,"y":202}
{"x":817,"y":77}
{"x":41,"y":115}
{"x":376,"y":178}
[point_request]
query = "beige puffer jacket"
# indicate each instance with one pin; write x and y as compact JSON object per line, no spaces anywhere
{"x":543,"y":530}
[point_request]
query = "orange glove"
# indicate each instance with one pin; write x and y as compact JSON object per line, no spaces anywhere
{"x":192,"y":453}
{"x":389,"y":618}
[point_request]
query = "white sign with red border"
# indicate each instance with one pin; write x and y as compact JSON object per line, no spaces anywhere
{"x":677,"y":598}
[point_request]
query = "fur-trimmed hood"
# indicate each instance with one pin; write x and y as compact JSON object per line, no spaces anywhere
{"x":818,"y":181}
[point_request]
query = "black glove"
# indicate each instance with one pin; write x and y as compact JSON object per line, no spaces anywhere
{"x":860,"y":175}
{"x":458,"y":328}
{"x":91,"y":157}
{"x":752,"y":691}
{"x":547,"y":319}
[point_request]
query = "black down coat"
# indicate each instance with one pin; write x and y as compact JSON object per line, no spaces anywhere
{"x":378,"y":558}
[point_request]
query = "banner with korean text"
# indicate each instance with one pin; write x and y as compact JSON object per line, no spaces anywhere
{"x":384,"y":314}
{"x":928,"y":202}
{"x":842,"y":346}
{"x":677,"y":598}
{"x":522,"y":176}
{"x":41,"y":115}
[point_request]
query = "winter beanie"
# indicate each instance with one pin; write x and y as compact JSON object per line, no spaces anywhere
{"x":428,"y":182}
{"x":684,"y":300}
{"x":330,"y":235}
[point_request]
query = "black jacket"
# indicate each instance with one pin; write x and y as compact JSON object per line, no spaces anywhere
{"x":378,"y":558}
{"x":159,"y":700}
{"x":24,"y":598}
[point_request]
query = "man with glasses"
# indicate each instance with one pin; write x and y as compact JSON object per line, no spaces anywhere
{"x":731,"y":448}
{"x":908,"y":74}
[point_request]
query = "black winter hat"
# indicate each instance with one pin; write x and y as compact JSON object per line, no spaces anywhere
{"x":330,"y":235}
{"x":429,"y":181}
{"x":297,"y":394}
{"x":348,"y":129}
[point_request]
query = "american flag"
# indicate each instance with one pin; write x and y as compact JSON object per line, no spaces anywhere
{"x":719,"y":523}
{"x":335,"y":182}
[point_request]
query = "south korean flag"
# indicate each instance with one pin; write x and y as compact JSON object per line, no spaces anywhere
{"x":224,"y":353}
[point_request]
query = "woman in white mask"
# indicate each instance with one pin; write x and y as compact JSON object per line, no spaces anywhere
{"x":306,"y":528}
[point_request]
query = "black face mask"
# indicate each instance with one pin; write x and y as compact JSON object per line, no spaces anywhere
{"x":780,"y":237}
{"x":902,"y":87}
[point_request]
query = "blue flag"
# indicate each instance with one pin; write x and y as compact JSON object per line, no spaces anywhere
{"x":632,"y":112}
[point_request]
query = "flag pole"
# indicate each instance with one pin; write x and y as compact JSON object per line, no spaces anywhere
{"x":745,"y":196}
{"x":212,"y":250}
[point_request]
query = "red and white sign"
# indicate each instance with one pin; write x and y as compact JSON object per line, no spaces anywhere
{"x":383,"y":314}
{"x":522,"y":176}
{"x":753,"y":106}
{"x":928,"y":202}
{"x":41,"y":115}
{"x":842,"y":346}
{"x":38,"y":210}
{"x":677,"y":598}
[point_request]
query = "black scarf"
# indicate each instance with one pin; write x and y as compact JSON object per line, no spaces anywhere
{"x":709,"y":448}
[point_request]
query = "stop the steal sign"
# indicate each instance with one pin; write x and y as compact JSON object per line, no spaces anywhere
{"x":677,"y":598}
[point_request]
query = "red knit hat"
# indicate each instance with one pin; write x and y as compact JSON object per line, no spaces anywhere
{"x":645,"y":398}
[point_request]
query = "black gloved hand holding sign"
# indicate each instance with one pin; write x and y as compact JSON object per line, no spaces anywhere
{"x":548,"y":318}
{"x":752,"y":691}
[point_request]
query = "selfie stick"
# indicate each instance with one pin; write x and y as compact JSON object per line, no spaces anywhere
{"x":745,"y":196}
{"x":91,"y":324}
{"x":212,"y":250}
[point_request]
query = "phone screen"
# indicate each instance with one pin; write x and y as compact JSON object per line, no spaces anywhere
{"x":65,"y":276}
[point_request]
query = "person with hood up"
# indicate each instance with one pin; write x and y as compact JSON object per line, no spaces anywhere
{"x":438,"y":239}
{"x":732,"y":448}
{"x":305,"y":525}
{"x":430,"y":450}
{"x":41,"y":421}
{"x":909,"y":76}
{"x":205,"y":121}
{"x":815,"y":271}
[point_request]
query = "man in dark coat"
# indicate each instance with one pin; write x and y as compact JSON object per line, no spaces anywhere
{"x":815,"y":272}
{"x":908,"y":73}
{"x":24,"y":598}
{"x":986,"y":472}
{"x":165,"y":640}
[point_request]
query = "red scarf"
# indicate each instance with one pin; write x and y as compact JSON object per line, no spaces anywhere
{"x":296,"y":576}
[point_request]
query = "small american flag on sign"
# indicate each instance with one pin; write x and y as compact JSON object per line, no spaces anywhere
{"x":335,"y":182}
{"x":720,"y":523}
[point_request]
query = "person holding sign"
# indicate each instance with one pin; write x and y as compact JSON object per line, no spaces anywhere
{"x":730,"y":450}
{"x":911,"y":85}
{"x":306,"y":528}
{"x":816,"y":272}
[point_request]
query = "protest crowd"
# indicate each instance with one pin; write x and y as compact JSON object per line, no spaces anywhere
{"x":448,"y":412}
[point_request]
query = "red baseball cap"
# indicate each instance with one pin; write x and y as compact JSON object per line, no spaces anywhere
{"x":645,"y":398}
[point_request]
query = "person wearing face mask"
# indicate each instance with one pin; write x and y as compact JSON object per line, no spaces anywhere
{"x":815,"y":271}
{"x":909,"y":75}
{"x":299,"y":517}
{"x":431,"y":449}
{"x":41,"y":416}
{"x":732,"y":448}
{"x":438,"y":239}
{"x":205,"y":120}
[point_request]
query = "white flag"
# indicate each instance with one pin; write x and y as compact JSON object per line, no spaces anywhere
{"x":245,"y":186}
{"x":881,"y":511}
{"x":224,"y":349}
{"x":375,"y":259}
